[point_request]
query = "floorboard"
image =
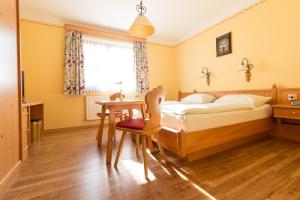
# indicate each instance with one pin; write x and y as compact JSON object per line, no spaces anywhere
{"x":69,"y":166}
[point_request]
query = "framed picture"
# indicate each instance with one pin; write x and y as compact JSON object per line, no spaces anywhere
{"x":224,"y":45}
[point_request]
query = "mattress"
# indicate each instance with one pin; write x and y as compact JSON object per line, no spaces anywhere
{"x":198,"y":122}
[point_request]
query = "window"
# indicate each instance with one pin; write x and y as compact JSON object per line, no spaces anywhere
{"x":107,"y":62}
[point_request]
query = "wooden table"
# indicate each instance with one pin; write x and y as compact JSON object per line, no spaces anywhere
{"x":113,"y":106}
{"x":31,"y":111}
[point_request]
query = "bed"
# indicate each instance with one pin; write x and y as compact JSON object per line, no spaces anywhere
{"x":196,"y":135}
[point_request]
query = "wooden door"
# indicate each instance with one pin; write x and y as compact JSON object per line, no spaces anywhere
{"x":9,"y":92}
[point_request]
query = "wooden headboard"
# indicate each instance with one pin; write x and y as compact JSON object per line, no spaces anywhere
{"x":282,"y":95}
{"x":262,"y":92}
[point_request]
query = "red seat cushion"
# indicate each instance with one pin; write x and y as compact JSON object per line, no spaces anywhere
{"x":136,"y":124}
{"x":118,"y":112}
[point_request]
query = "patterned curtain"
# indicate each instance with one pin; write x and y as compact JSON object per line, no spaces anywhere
{"x":140,"y":53}
{"x":74,"y":72}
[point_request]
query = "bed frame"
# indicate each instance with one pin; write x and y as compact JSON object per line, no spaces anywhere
{"x":195,"y":145}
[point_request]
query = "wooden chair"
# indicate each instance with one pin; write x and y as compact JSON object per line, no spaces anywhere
{"x":118,"y":113}
{"x":143,"y":127}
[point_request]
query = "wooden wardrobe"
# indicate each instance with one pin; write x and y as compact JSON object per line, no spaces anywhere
{"x":9,"y":93}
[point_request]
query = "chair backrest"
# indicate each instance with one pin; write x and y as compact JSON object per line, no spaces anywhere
{"x":114,"y":96}
{"x":154,"y":99}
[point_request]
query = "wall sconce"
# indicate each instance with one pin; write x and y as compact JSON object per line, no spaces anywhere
{"x":245,"y":66}
{"x":206,"y":74}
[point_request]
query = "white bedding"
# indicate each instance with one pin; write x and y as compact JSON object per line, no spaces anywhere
{"x":181,"y":119}
{"x":206,"y":108}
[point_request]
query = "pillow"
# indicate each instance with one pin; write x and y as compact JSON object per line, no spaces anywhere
{"x":235,"y":98}
{"x":198,"y":98}
{"x":251,"y":99}
{"x":258,"y":100}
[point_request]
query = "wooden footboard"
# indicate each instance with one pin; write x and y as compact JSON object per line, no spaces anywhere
{"x":202,"y":143}
{"x":172,"y":140}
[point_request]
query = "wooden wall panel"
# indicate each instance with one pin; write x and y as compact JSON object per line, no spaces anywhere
{"x":263,"y":92}
{"x":9,"y":92}
{"x":282,"y":95}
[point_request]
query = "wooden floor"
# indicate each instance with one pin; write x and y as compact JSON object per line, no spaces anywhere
{"x":68,"y":165}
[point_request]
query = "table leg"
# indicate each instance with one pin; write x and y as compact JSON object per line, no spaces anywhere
{"x":101,"y":126}
{"x":137,"y":144}
{"x":130,"y":113}
{"x":111,"y":132}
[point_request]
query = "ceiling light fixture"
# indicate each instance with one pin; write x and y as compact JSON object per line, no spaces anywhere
{"x":141,"y":26}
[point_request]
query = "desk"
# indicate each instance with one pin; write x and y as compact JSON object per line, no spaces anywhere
{"x":113,"y":106}
{"x":30,"y":111}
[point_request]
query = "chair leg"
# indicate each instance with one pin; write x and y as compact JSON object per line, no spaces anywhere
{"x":120,"y":149}
{"x":150,"y":143}
{"x":137,"y":144}
{"x":114,"y":138}
{"x":144,"y":142}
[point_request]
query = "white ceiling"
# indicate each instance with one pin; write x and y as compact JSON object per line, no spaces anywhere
{"x":174,"y":20}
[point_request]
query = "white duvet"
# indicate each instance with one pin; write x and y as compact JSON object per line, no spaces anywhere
{"x":180,"y":108}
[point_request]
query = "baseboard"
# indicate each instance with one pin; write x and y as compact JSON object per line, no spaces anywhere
{"x":49,"y":131}
{"x":10,"y":177}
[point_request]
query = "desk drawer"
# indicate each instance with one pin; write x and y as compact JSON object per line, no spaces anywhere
{"x":287,"y":113}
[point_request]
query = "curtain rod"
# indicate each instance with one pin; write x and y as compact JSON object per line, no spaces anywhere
{"x":104,"y":32}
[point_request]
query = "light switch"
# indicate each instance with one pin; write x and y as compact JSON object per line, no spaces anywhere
{"x":292,"y":97}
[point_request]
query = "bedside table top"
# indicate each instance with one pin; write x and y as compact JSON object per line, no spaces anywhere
{"x":286,"y":106}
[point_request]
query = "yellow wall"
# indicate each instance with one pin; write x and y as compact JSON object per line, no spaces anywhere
{"x":42,"y":48}
{"x":42,"y":56}
{"x":162,"y":69}
{"x":267,"y":34}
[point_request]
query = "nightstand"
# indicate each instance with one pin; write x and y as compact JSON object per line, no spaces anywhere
{"x":288,"y":121}
{"x":286,"y":112}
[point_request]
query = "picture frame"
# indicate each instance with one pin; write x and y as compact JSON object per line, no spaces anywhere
{"x":223,"y":45}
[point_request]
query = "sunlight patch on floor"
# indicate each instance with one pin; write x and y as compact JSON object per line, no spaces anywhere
{"x":166,"y":170}
{"x":184,"y":170}
{"x":136,"y":170}
{"x":184,"y":177}
{"x":195,"y":185}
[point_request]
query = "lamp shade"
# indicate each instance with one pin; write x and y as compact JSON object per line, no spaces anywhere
{"x":141,"y":27}
{"x":242,"y":67}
